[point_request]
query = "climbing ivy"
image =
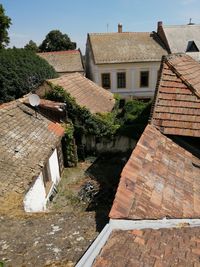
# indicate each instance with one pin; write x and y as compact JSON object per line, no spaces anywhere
{"x":99,"y":125}
{"x":69,"y":146}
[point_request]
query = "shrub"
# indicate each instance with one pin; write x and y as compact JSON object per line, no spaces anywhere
{"x":20,"y":72}
{"x":84,"y":122}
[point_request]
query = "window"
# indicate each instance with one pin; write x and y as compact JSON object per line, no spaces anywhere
{"x":121,"y":80}
{"x":144,"y":79}
{"x":105,"y":80}
{"x":192,"y":47}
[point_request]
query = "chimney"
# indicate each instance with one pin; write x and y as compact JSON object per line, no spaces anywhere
{"x":119,"y":27}
{"x":160,"y":24}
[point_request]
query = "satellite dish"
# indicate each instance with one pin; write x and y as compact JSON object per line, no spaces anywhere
{"x":34,"y":100}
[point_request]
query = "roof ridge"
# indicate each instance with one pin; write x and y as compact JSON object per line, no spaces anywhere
{"x":108,"y":33}
{"x":181,"y":76}
{"x":75,"y":51}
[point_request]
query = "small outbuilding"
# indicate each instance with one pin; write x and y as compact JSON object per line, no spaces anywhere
{"x":31,"y":159}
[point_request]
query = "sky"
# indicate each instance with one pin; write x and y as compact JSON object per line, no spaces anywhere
{"x":33,"y":19}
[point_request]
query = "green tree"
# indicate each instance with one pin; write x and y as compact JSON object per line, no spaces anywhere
{"x":32,"y":46}
{"x":56,"y":41}
{"x":5,"y":23}
{"x":20,"y":72}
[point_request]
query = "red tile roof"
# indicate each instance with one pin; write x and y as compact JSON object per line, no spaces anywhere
{"x":64,"y":61}
{"x":152,"y":248}
{"x":177,"y":100}
{"x":86,"y":93}
{"x":161,"y":179}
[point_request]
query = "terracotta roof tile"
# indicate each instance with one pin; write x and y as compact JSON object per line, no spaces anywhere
{"x":160,"y":179}
{"x":125,"y":47}
{"x":86,"y":93}
{"x":178,"y":97}
{"x":64,"y":61}
{"x":152,"y":248}
{"x":26,"y":141}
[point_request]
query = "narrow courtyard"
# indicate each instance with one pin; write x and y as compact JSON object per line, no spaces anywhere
{"x":79,"y":211}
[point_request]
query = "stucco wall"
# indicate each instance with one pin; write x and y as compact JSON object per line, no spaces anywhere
{"x":35,"y":199}
{"x":54,"y":167}
{"x":132,"y":77}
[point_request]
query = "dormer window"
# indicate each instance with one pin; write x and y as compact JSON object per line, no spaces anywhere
{"x":192,"y":47}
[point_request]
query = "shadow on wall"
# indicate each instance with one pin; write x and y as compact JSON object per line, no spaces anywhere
{"x":105,"y":171}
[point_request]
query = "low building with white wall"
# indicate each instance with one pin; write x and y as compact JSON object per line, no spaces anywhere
{"x":31,"y":157}
{"x":125,"y":63}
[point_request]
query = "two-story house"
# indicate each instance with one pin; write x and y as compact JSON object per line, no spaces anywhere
{"x":125,"y":63}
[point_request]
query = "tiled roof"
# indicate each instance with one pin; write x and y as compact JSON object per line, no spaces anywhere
{"x":152,"y":248}
{"x":26,"y":141}
{"x":177,"y":98}
{"x":161,"y":179}
{"x":178,"y":36}
{"x":86,"y":92}
{"x":64,"y":61}
{"x":125,"y":47}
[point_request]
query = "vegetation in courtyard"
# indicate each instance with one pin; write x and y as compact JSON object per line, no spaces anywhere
{"x":135,"y":114}
{"x":99,"y":125}
{"x":20,"y":72}
{"x":134,"y":118}
{"x":69,"y":146}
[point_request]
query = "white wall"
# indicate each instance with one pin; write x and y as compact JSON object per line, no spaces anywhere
{"x":35,"y":199}
{"x":132,"y":77}
{"x":54,"y":167}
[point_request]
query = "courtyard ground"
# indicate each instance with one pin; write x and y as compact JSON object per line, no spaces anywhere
{"x":60,"y":236}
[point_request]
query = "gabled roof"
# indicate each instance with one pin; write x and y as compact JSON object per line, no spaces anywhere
{"x":177,"y":98}
{"x":64,"y":61}
{"x":125,"y":47}
{"x":26,"y":142}
{"x":86,"y":93}
{"x":161,"y":179}
{"x":178,"y":36}
{"x":152,"y":248}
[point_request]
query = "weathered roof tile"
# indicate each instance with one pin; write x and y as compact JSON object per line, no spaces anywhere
{"x":64,"y":61}
{"x":26,"y":141}
{"x":86,"y":93}
{"x":177,"y":100}
{"x":125,"y":47}
{"x":160,"y":179}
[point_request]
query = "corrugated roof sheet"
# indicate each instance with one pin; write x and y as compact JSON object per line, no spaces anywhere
{"x":152,"y":248}
{"x":26,"y":141}
{"x":126,"y":47}
{"x":86,"y":93}
{"x":64,"y":61}
{"x":177,"y":101}
{"x":161,"y":179}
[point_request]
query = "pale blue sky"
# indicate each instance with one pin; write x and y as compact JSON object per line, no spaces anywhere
{"x":33,"y":19}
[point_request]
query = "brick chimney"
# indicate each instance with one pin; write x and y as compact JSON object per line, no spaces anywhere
{"x":119,"y":27}
{"x":159,"y":26}
{"x":161,"y":34}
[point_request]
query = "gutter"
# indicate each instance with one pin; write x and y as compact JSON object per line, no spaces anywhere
{"x":94,"y":250}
